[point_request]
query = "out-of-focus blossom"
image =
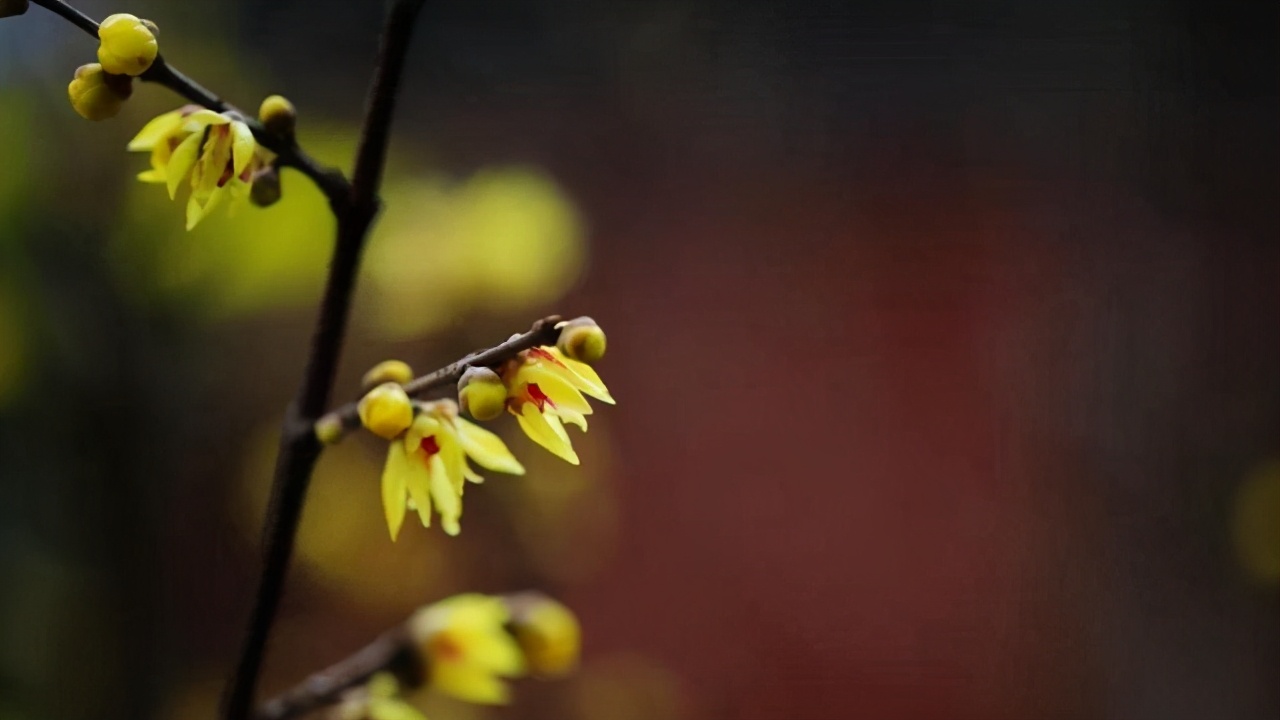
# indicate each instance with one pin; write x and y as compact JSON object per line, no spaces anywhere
{"x":467,"y":649}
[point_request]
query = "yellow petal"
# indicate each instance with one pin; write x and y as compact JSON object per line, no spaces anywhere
{"x":152,"y":176}
{"x":448,"y":502}
{"x":392,"y":709}
{"x":423,"y":425}
{"x":554,"y":385}
{"x":469,"y":683}
{"x":419,"y":483}
{"x":589,"y":381}
{"x":200,"y":119}
{"x":487,"y":449}
{"x":394,"y":476}
{"x":242,"y":146}
{"x":496,"y":651}
{"x":455,"y":460}
{"x":547,"y":432}
{"x":159,"y":128}
{"x":180,"y":163}
{"x":471,"y":475}
{"x":571,"y":417}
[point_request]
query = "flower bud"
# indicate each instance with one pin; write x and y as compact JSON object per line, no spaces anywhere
{"x":481,"y":393}
{"x":387,"y":371}
{"x":278,"y":115}
{"x":10,"y":8}
{"x":98,"y":95}
{"x":582,"y":339}
{"x":547,"y":632}
{"x":128,"y":44}
{"x":329,"y":429}
{"x":386,"y":411}
{"x":265,"y":190}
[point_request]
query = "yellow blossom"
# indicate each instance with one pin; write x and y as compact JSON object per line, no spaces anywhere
{"x":379,"y":699}
{"x":428,"y":464}
{"x":467,"y":649}
{"x":128,"y":44}
{"x":386,"y":411}
{"x":214,"y":153}
{"x":545,"y":390}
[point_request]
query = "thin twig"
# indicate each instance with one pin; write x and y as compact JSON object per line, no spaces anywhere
{"x":543,"y":332}
{"x":299,"y":448}
{"x":330,"y":180}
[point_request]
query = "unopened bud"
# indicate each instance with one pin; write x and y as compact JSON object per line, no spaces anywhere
{"x":278,"y":115}
{"x":548,"y":633}
{"x":386,"y":411}
{"x":265,"y":190}
{"x":481,"y":393}
{"x":128,"y":44}
{"x":9,"y":8}
{"x":98,"y":95}
{"x":329,"y":429}
{"x":582,"y":339}
{"x":387,"y":371}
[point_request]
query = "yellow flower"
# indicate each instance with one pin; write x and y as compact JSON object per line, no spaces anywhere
{"x":214,"y":151}
{"x":467,"y":649}
{"x":429,"y":464}
{"x":379,"y":699}
{"x":128,"y":44}
{"x":545,"y":390}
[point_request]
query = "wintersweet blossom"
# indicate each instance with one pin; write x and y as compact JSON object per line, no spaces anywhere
{"x":545,"y":390}
{"x":214,"y":153}
{"x":128,"y":44}
{"x":428,"y":464}
{"x":467,"y":648}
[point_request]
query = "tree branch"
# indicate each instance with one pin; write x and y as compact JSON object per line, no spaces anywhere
{"x":299,"y":448}
{"x":543,"y":332}
{"x":330,"y":180}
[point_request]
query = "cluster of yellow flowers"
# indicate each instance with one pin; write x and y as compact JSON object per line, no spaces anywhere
{"x":213,"y":153}
{"x":472,"y":645}
{"x":430,"y":442}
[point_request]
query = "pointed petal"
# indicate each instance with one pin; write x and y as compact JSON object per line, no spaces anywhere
{"x":554,"y":385}
{"x":497,"y":652}
{"x":180,"y":163}
{"x":471,"y":475}
{"x":573,"y":418}
{"x":589,"y":381}
{"x":242,"y":146}
{"x":448,"y":502}
{"x":540,"y":429}
{"x":203,"y":118}
{"x":419,"y":482}
{"x":455,"y":460}
{"x":467,"y":682}
{"x":157,"y":129}
{"x":487,"y":449}
{"x":393,"y":488}
{"x":152,"y":176}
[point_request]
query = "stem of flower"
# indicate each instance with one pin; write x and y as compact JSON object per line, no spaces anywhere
{"x":299,"y":448}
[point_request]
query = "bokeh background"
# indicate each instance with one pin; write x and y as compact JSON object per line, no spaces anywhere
{"x":946,"y":337}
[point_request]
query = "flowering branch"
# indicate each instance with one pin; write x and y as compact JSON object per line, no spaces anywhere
{"x":330,"y":180}
{"x":544,"y":332}
{"x":543,"y":630}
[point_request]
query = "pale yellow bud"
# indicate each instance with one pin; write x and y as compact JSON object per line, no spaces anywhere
{"x":387,"y":371}
{"x":98,"y":95}
{"x":582,"y":339}
{"x":386,"y":411}
{"x":278,"y":115}
{"x":128,"y":44}
{"x":329,"y":429}
{"x":481,"y":393}
{"x":548,"y":633}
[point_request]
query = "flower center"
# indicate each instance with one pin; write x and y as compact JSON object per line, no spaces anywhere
{"x":429,"y":445}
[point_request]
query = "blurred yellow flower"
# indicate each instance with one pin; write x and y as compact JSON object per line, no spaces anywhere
{"x":215,"y":151}
{"x":548,"y":634}
{"x":429,"y":463}
{"x":545,"y":390}
{"x":467,"y":648}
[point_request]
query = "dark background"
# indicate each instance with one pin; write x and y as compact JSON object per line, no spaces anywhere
{"x":946,"y":338}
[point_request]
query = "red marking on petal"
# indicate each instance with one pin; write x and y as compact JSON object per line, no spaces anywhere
{"x":444,"y":647}
{"x":544,"y":355}
{"x":429,"y":445}
{"x":537,"y":397}
{"x":226,"y":174}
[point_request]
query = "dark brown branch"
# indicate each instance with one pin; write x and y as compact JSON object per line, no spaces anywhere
{"x":392,"y":652}
{"x":299,"y":448}
{"x":330,"y":180}
{"x":543,"y":332}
